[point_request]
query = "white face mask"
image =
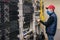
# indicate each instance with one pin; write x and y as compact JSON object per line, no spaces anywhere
{"x":50,"y":11}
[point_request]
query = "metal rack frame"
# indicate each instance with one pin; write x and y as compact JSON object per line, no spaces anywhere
{"x":21,"y":19}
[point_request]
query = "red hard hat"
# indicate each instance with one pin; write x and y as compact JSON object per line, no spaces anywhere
{"x":50,"y":7}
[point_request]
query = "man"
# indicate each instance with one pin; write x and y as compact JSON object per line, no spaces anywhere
{"x":51,"y":24}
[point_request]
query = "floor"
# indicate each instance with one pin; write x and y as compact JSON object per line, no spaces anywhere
{"x":57,"y":36}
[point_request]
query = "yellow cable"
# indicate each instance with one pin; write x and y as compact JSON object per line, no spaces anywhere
{"x":41,"y":11}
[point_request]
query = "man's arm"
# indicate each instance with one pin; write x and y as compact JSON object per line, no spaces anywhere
{"x":49,"y":21}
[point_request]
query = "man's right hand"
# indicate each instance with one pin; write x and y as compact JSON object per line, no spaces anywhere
{"x":38,"y":21}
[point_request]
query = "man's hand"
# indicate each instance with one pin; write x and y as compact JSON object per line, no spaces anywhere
{"x":38,"y":21}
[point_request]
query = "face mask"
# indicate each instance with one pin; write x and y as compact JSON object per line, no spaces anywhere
{"x":49,"y":12}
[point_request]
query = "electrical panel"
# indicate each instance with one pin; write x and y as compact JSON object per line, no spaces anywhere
{"x":9,"y":27}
